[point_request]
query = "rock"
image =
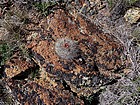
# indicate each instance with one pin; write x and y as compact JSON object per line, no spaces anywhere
{"x":42,"y":92}
{"x":6,"y":95}
{"x":17,"y":65}
{"x":64,"y":81}
{"x":132,"y":15}
{"x":100,"y":54}
{"x":3,"y":34}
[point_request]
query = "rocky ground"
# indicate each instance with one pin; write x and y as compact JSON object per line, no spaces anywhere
{"x":75,"y":52}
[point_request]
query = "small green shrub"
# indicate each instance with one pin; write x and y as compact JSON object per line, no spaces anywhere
{"x":45,"y":7}
{"x":4,"y":52}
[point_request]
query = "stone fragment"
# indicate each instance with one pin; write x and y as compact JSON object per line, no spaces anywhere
{"x":3,"y":34}
{"x":100,"y":54}
{"x":17,"y":65}
{"x":132,"y":15}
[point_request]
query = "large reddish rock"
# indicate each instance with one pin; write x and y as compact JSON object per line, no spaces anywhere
{"x":100,"y":55}
{"x":99,"y":60}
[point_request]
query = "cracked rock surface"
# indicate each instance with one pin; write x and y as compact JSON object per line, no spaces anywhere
{"x":97,"y":60}
{"x":98,"y":63}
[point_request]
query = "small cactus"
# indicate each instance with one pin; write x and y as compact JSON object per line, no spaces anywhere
{"x":66,"y":48}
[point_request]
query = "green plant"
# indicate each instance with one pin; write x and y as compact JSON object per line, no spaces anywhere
{"x":110,"y":3}
{"x":34,"y":73}
{"x":5,"y":52}
{"x":131,"y":1}
{"x":90,"y":99}
{"x":14,"y":23}
{"x":45,"y":7}
{"x":136,"y":35}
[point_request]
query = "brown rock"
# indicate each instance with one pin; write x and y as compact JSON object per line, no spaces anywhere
{"x":29,"y":93}
{"x":100,"y":54}
{"x":17,"y":65}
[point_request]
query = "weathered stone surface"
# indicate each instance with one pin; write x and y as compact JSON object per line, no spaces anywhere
{"x":132,"y":15}
{"x":3,"y":34}
{"x":42,"y":92}
{"x":6,"y":95}
{"x":100,"y":60}
{"x":16,"y":65}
